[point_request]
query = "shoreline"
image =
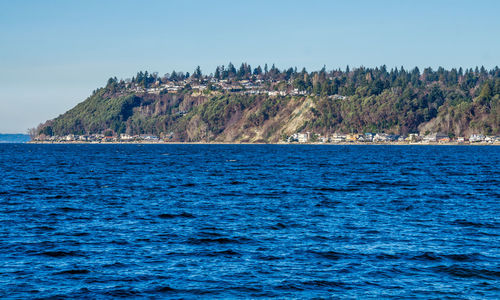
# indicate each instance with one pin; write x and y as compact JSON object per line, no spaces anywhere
{"x":249,"y":143}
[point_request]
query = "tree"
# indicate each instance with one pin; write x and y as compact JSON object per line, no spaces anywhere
{"x":47,"y":130}
{"x":108,"y":133}
{"x":32,"y":132}
{"x":257,"y":71}
{"x":217,"y":73}
{"x":231,"y":70}
{"x":485,"y":94}
{"x":242,"y":71}
{"x":173,"y":76}
{"x":197,"y":73}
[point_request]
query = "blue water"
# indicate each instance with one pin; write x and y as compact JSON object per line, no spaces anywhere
{"x":250,"y":221}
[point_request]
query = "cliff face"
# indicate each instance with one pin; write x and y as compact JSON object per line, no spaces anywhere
{"x":236,"y":117}
{"x":465,"y":119}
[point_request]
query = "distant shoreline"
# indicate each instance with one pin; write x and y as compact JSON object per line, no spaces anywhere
{"x":248,"y":143}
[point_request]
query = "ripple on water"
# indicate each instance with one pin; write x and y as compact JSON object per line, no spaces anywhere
{"x":232,"y":221}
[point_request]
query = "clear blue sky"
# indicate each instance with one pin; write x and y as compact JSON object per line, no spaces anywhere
{"x":54,"y":53}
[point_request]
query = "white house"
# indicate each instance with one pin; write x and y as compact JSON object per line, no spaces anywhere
{"x":475,"y":138}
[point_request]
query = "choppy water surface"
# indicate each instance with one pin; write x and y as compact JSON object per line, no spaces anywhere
{"x":222,"y":221}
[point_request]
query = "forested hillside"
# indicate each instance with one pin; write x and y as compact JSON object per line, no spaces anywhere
{"x":266,"y":105}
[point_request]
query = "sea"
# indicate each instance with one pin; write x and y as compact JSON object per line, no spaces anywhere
{"x":249,"y":221}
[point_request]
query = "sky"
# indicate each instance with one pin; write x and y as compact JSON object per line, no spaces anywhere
{"x":53,"y":54}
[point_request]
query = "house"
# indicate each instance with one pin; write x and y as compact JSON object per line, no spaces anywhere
{"x":149,"y":137}
{"x":434,"y":137}
{"x":489,"y":139}
{"x":381,"y":137}
{"x":297,"y":92}
{"x":303,"y":137}
{"x":125,"y":137}
{"x":352,"y":137}
{"x":475,"y":138}
{"x":337,"y":97}
{"x":338,"y":138}
{"x":299,"y":137}
{"x":200,"y":87}
{"x":293,"y":138}
{"x":368,"y":137}
{"x":414,"y":137}
{"x":392,"y":137}
{"x":324,"y":139}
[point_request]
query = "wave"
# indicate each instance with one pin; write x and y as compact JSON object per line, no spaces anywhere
{"x":59,"y":197}
{"x":466,"y":223}
{"x":331,"y":255}
{"x":227,"y":252}
{"x":60,"y":253}
{"x":122,"y":292}
{"x":329,"y":189}
{"x":278,"y":226}
{"x":69,"y":209}
{"x":73,"y":272}
{"x":326,"y":283}
{"x":203,"y":241}
{"x":172,"y":216}
{"x":468,"y":272}
{"x":236,"y":182}
{"x":164,"y":289}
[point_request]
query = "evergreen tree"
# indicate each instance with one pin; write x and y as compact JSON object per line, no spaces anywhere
{"x":231,"y":70}
{"x":197,"y":73}
{"x":257,"y":71}
{"x":217,"y":74}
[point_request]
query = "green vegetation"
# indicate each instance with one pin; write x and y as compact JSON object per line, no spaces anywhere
{"x":398,"y":101}
{"x":100,"y":112}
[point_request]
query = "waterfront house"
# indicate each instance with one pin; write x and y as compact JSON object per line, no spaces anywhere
{"x":414,"y":137}
{"x":324,"y":139}
{"x":368,"y":137}
{"x":338,"y":138}
{"x":303,"y":137}
{"x":434,"y":137}
{"x":489,"y":139}
{"x":352,"y":137}
{"x":392,"y":137}
{"x":381,"y":137}
{"x":125,"y":137}
{"x":149,"y":137}
{"x":476,"y":138}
